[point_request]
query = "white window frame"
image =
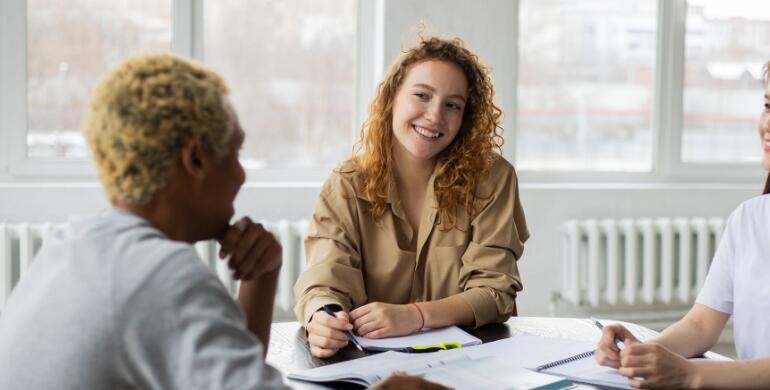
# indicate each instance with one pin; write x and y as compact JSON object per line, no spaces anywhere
{"x":187,"y":40}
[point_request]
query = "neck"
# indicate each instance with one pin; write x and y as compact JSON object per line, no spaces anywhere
{"x":411,"y":173}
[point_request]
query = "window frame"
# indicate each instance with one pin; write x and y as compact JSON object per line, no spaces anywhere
{"x":372,"y":31}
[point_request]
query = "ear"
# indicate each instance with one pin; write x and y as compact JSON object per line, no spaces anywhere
{"x":194,"y":160}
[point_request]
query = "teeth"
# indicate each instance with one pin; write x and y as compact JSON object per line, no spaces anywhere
{"x":426,"y":132}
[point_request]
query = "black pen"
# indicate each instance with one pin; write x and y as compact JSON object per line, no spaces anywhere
{"x":328,"y":309}
{"x":618,"y":343}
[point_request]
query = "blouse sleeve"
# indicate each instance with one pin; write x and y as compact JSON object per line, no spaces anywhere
{"x":717,"y":290}
{"x":489,"y":275}
{"x":333,"y":274}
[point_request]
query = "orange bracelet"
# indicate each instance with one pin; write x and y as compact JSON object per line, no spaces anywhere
{"x":422,"y":317}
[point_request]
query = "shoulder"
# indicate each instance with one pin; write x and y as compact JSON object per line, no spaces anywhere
{"x":501,"y":177}
{"x":752,"y":214}
{"x":345,"y":180}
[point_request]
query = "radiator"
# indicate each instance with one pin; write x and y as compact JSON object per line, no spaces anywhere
{"x":636,"y":262}
{"x":19,"y":243}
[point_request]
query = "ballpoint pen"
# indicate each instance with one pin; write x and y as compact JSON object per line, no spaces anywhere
{"x":618,"y":343}
{"x":330,"y":311}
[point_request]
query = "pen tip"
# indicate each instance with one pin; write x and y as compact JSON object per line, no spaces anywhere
{"x":359,"y":348}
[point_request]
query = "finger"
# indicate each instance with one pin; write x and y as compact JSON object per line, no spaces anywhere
{"x":360,"y":311}
{"x":253,"y":262}
{"x":636,"y":383}
{"x":322,"y":352}
{"x":361,"y":321}
{"x":338,"y":322}
{"x":247,"y":241}
{"x":607,"y":360}
{"x":378,"y":334}
{"x":369,"y":327}
{"x":326,"y":342}
{"x":232,"y":236}
{"x":636,"y":372}
{"x":259,"y":240}
{"x":634,"y":361}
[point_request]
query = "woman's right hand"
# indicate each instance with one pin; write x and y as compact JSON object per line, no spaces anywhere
{"x":326,"y":334}
{"x":607,"y":352}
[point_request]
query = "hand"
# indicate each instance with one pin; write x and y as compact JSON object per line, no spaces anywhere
{"x":253,"y":250}
{"x":407,"y":382}
{"x":377,"y":320}
{"x":651,"y":365}
{"x":607,"y":352}
{"x":325,"y":333}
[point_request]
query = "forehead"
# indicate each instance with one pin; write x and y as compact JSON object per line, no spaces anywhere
{"x":446,"y":76}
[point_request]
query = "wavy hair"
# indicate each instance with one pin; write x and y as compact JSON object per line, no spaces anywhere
{"x":467,"y":159}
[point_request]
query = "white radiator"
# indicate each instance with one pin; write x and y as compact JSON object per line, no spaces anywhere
{"x":20,"y":242}
{"x":636,"y":261}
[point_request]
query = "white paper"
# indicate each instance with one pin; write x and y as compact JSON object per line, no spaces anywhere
{"x":428,"y":337}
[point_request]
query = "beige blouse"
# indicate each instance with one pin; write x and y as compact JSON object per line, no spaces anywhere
{"x":353,"y":259}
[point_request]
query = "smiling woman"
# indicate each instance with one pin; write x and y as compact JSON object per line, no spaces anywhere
{"x":423,"y":226}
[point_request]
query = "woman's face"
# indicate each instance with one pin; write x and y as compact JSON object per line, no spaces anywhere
{"x":428,"y":108}
{"x":764,"y":129}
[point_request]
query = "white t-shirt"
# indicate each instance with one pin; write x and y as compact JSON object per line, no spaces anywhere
{"x":117,"y":305}
{"x":738,"y":282}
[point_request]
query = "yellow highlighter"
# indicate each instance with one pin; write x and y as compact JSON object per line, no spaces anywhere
{"x":433,"y":348}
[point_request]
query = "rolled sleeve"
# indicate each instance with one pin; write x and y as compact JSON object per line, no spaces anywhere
{"x":489,"y":275}
{"x":333,"y":275}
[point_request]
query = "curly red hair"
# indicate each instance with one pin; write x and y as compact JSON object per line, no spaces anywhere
{"x":467,"y":159}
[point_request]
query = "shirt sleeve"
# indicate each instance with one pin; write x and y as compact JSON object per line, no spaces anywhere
{"x":489,"y":275}
{"x":717,"y":290}
{"x":180,"y":329}
{"x":333,"y":274}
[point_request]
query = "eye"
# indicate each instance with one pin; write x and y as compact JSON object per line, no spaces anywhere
{"x":454,"y":106}
{"x":421,"y":95}
{"x":767,"y":106}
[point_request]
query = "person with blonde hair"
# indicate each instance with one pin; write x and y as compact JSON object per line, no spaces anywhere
{"x":124,"y":301}
{"x":736,"y":285}
{"x":422,"y":227}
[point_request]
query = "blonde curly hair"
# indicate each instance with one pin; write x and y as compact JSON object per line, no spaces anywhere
{"x":141,"y":115}
{"x":467,"y":159}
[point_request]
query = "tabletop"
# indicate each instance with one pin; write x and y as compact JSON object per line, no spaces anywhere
{"x":289,"y":351}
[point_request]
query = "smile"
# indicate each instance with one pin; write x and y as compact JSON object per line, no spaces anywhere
{"x":426,"y":133}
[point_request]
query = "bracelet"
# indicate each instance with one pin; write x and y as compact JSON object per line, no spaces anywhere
{"x":422,"y":317}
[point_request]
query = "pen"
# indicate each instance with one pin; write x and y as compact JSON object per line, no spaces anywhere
{"x":328,"y":309}
{"x":618,"y":343}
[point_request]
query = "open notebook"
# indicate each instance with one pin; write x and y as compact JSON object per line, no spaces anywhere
{"x":450,"y":334}
{"x":451,"y":368}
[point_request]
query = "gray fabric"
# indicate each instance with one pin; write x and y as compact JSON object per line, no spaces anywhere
{"x":118,"y":305}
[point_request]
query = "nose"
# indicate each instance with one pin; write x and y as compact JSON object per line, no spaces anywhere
{"x":433,"y":112}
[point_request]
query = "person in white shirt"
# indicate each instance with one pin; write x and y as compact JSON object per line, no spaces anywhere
{"x":123,"y":301}
{"x":736,"y":285}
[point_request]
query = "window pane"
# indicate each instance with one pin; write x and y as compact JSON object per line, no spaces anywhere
{"x":726,"y":45}
{"x":291,"y":68}
{"x":70,"y":46}
{"x":586,"y":80}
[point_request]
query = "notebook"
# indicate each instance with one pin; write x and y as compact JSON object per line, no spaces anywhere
{"x":452,"y":368}
{"x":426,"y":337}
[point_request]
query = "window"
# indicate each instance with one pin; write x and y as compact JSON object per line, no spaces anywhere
{"x":586,"y":85}
{"x":68,"y":48}
{"x":726,"y":46}
{"x":291,"y":75}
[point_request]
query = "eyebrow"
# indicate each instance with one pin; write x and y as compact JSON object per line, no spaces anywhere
{"x":428,"y":87}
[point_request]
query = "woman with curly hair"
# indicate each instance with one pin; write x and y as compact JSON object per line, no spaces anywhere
{"x":423,"y":226}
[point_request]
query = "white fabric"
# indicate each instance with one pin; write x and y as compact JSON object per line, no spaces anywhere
{"x":738,"y":282}
{"x":118,"y":305}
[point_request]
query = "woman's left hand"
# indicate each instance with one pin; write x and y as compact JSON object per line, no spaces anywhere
{"x":651,"y":365}
{"x":377,"y":320}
